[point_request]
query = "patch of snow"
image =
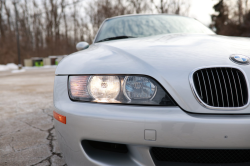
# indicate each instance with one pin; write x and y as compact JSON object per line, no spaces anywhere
{"x":12,"y":66}
{"x":3,"y":68}
{"x":18,"y":71}
{"x":9,"y":66}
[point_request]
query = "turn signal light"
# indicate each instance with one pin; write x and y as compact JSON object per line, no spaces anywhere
{"x":59,"y":117}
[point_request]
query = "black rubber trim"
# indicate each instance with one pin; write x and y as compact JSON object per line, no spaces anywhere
{"x":106,"y":146}
{"x":201,"y":156}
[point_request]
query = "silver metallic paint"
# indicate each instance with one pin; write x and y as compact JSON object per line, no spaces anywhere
{"x":168,"y":58}
{"x":126,"y":124}
{"x":82,"y":46}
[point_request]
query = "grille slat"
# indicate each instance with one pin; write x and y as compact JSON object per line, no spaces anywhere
{"x":235,"y":88}
{"x":215,"y":88}
{"x":240,"y":88}
{"x":204,"y":82}
{"x":211,"y":91}
{"x":201,"y":156}
{"x":225,"y":87}
{"x":221,"y":87}
{"x":222,"y":95}
{"x":229,"y":81}
{"x":199,"y":85}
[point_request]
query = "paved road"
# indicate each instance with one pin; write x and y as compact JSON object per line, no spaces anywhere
{"x":27,"y":135}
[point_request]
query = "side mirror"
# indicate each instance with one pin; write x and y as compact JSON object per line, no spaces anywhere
{"x":82,"y":46}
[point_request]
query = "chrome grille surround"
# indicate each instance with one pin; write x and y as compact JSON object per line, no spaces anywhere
{"x":219,"y":88}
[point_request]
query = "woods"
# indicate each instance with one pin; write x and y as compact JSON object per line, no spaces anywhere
{"x":53,"y":27}
{"x":232,"y":18}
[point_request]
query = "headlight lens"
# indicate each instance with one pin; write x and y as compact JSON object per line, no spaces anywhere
{"x":140,"y":90}
{"x":104,"y":87}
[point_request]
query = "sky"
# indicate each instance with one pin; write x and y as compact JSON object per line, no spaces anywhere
{"x":202,"y":10}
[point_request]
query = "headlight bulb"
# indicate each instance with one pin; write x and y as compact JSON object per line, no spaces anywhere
{"x":136,"y":88}
{"x":104,"y":87}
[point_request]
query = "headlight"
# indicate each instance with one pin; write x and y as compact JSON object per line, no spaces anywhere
{"x":104,"y":88}
{"x":123,"y":89}
{"x":139,"y":88}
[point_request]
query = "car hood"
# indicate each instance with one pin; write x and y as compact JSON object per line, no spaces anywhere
{"x":168,"y":58}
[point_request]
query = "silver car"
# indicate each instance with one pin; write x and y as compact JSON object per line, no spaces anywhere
{"x":154,"y":90}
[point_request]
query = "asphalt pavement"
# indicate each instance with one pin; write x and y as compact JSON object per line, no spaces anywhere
{"x":27,"y":134}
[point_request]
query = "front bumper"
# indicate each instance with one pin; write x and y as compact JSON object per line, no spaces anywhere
{"x":127,"y":124}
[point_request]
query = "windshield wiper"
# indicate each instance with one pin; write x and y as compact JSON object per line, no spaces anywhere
{"x":115,"y":38}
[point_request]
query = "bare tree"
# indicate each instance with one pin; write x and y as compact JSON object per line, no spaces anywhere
{"x":180,"y":7}
{"x":1,"y":20}
{"x":99,"y":10}
{"x":139,"y":6}
{"x":231,"y":20}
{"x":53,"y":27}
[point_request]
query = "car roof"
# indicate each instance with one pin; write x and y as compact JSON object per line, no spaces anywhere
{"x":128,"y":15}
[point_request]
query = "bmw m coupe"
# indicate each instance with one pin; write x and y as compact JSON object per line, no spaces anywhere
{"x":154,"y":90}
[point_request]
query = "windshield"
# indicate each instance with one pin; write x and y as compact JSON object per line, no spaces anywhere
{"x":149,"y":25}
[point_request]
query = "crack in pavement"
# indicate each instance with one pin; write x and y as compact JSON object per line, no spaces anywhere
{"x":34,"y":126}
{"x":52,"y":118}
{"x":12,"y":139}
{"x":51,"y":138}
